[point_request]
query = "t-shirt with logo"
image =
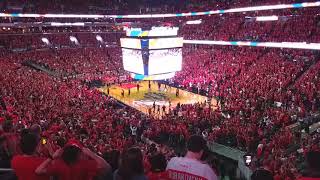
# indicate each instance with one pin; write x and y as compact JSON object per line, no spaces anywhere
{"x":183,"y":168}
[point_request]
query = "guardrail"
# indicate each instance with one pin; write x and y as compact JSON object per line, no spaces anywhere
{"x":234,"y":154}
{"x":5,"y":170}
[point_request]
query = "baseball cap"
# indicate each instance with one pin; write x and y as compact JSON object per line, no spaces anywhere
{"x":73,"y":142}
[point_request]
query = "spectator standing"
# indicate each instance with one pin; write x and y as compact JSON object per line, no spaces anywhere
{"x":112,"y":158}
{"x":25,"y":165}
{"x":158,"y":168}
{"x":163,"y":110}
{"x":154,"y":107}
{"x":261,"y":174}
{"x":8,"y":144}
{"x":122,"y":93}
{"x":131,"y":166}
{"x":313,"y":162}
{"x":191,"y":165}
{"x":67,"y":163}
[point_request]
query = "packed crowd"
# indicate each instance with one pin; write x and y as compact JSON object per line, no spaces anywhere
{"x":289,"y":28}
{"x":32,"y":97}
{"x":91,"y":63}
{"x":58,"y":40}
{"x":129,"y":6}
{"x":260,"y":91}
{"x":256,"y":89}
{"x":65,"y":110}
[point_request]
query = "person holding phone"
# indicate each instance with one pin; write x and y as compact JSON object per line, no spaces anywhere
{"x":43,"y":141}
{"x":67,"y":164}
{"x":247,"y":159}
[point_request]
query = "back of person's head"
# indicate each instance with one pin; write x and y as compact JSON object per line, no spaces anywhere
{"x":313,"y":160}
{"x":158,"y":163}
{"x":36,"y":129}
{"x":152,"y":149}
{"x":24,"y":131}
{"x":29,"y":143}
{"x":112,"y":158}
{"x":71,"y":154}
{"x":7,"y":126}
{"x":196,"y":144}
{"x":261,"y":174}
{"x":131,"y":163}
{"x":61,"y":142}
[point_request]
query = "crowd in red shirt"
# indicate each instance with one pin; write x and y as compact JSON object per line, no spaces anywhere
{"x":261,"y":92}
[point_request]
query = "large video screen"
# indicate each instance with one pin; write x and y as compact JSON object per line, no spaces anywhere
{"x":132,"y":61}
{"x":155,"y":31}
{"x":162,"y":43}
{"x":165,"y":61}
{"x":157,"y":43}
{"x":130,"y":43}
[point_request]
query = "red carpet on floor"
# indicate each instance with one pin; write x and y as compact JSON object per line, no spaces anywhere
{"x":128,"y":86}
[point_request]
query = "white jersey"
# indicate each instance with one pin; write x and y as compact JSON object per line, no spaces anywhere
{"x":182,"y":168}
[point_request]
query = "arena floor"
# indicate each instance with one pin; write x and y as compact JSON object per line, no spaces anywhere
{"x":143,"y":99}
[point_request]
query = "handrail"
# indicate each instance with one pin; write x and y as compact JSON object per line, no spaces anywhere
{"x":5,"y":170}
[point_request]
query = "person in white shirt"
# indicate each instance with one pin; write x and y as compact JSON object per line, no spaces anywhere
{"x":190,"y":166}
{"x":133,"y":130}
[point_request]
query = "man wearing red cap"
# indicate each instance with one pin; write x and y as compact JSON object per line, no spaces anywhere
{"x":70,"y":163}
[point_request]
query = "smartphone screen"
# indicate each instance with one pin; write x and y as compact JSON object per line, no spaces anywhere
{"x":43,"y":141}
{"x":247,"y":160}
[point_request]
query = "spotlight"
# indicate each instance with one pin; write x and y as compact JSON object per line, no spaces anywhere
{"x":45,"y":40}
{"x":99,"y":38}
{"x":73,"y":39}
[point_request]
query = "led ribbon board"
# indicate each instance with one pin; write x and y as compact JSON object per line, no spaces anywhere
{"x":290,"y":45}
{"x":233,"y":10}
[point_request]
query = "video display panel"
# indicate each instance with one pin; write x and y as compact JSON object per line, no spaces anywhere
{"x":163,"y":43}
{"x":165,"y":61}
{"x":130,"y":43}
{"x":132,"y":61}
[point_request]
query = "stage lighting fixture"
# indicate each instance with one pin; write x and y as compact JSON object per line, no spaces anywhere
{"x":73,"y":39}
{"x":45,"y":40}
{"x":99,"y":38}
{"x":267,"y":18}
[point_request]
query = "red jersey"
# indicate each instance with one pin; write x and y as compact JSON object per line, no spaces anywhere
{"x":25,"y":166}
{"x":83,"y":170}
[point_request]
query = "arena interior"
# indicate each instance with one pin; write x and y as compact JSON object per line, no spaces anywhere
{"x":160,"y":90}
